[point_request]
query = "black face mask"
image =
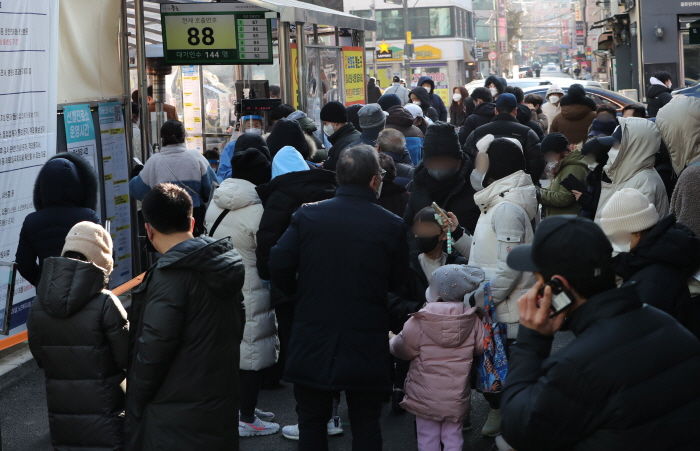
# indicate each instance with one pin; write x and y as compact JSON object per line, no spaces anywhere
{"x":427,"y":243}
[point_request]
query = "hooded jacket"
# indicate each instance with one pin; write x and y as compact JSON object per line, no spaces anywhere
{"x":482,"y":115}
{"x":260,"y":345}
{"x":65,"y":193}
{"x":400,"y":119}
{"x":441,"y":341}
{"x":454,"y":194}
{"x":346,"y":136}
{"x":285,"y":133}
{"x":435,"y":100}
{"x":634,"y":165}
{"x":186,"y":327}
{"x":657,"y":97}
{"x":558,"y":200}
{"x":685,"y":202}
{"x":79,"y":336}
{"x":426,"y":103}
{"x":679,"y":124}
{"x":661,"y":264}
{"x":281,"y":198}
{"x":524,"y":116}
{"x":596,"y":393}
{"x":577,"y":114}
{"x":508,"y":207}
{"x":498,"y":82}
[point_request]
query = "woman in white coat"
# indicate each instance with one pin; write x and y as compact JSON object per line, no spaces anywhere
{"x":235,"y":212}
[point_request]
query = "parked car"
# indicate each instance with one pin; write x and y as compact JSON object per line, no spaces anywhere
{"x":693,"y":91}
{"x":599,"y":95}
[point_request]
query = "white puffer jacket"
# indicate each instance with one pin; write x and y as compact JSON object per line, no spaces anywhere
{"x":508,"y":207}
{"x":260,"y":344}
{"x":634,"y":165}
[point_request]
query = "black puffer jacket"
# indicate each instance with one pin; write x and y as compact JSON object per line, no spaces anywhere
{"x":483,"y":114}
{"x":657,"y":97}
{"x":525,"y":117}
{"x":506,"y":126}
{"x":79,"y":335}
{"x":455,"y":194}
{"x":426,"y":103}
{"x":627,"y":382}
{"x":346,"y":136}
{"x":186,"y":328}
{"x":339,"y":258}
{"x":661,"y":264}
{"x":281,"y":198}
{"x":65,"y":193}
{"x":435,"y":100}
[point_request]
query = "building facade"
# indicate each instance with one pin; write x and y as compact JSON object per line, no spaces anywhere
{"x":442,"y":32}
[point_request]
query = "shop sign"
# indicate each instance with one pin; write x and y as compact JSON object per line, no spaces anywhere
{"x":428,"y":52}
{"x":354,"y":75}
{"x":384,"y":52}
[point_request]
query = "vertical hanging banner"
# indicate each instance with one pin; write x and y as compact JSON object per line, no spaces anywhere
{"x":28,"y":68}
{"x":115,"y":163}
{"x":80,"y":137}
{"x":294,"y":64}
{"x":192,"y":103}
{"x":354,"y":75}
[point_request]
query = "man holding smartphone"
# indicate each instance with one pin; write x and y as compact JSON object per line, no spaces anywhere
{"x":628,"y":380}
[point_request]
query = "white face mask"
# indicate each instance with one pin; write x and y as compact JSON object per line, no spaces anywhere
{"x":612,"y":155}
{"x":554,"y":100}
{"x":621,"y":244}
{"x":457,"y":97}
{"x":253,"y":131}
{"x":592,"y":166}
{"x":379,"y":190}
{"x":328,"y":129}
{"x":416,"y":102}
{"x":476,"y":178}
{"x":494,"y":91}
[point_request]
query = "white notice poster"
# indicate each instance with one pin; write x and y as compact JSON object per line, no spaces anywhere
{"x":192,"y":102}
{"x":28,"y":43}
{"x":115,"y":163}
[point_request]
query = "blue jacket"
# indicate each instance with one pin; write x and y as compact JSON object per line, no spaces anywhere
{"x":176,"y":164}
{"x":65,"y":193}
{"x":435,"y":100}
{"x":339,"y":258}
{"x":414,"y":145}
{"x":225,"y":171}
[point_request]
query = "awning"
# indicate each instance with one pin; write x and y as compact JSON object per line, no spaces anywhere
{"x":289,"y":11}
{"x":605,"y":41}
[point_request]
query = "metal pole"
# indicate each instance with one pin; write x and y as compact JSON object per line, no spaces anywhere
{"x":144,"y":116}
{"x":409,"y":74}
{"x":285,"y":62}
{"x":374,"y":38}
{"x":301,"y":67}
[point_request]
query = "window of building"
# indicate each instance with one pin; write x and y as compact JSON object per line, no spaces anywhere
{"x":423,"y":22}
{"x":483,"y":5}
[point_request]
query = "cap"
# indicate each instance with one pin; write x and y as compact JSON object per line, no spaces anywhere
{"x":93,"y":241}
{"x":506,"y":100}
{"x":371,"y":116}
{"x":415,"y":110}
{"x":396,"y":79}
{"x":450,"y":283}
{"x":567,"y":245}
{"x":627,"y":211}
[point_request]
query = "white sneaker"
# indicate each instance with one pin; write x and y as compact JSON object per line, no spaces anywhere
{"x":334,"y":427}
{"x":492,"y":427}
{"x":265,"y":416}
{"x":257,"y":428}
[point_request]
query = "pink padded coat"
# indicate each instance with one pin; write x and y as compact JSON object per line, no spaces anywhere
{"x":441,"y":341}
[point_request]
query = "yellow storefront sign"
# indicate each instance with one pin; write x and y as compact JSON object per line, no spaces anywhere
{"x":428,"y":52}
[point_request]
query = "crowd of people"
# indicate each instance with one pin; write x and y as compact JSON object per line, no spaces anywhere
{"x":385,"y":265}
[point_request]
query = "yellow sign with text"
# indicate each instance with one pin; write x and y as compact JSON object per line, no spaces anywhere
{"x":428,"y":52}
{"x":354,"y":75}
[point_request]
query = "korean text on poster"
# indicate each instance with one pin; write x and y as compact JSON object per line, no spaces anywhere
{"x":354,"y":75}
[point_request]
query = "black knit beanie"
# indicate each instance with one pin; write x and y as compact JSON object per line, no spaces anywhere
{"x":554,"y":143}
{"x":251,"y":164}
{"x":353,"y":118}
{"x":287,"y":132}
{"x":505,"y":158}
{"x":334,"y":112}
{"x":386,"y":101}
{"x":441,"y":141}
{"x":250,"y":140}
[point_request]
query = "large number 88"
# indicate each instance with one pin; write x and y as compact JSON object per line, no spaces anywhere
{"x":207,"y":36}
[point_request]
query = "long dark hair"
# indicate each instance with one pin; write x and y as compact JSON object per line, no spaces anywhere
{"x":466,"y":105}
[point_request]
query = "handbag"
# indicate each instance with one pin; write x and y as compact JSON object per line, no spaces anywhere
{"x":492,"y":365}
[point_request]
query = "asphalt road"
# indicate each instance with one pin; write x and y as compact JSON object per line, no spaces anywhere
{"x":24,"y":422}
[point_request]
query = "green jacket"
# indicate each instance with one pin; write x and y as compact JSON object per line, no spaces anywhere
{"x":558,"y":200}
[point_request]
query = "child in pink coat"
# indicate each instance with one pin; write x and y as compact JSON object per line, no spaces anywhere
{"x":441,"y":341}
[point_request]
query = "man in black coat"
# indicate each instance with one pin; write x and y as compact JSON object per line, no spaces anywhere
{"x":627,"y":381}
{"x":484,"y":113}
{"x":341,"y":133}
{"x":340,"y":258}
{"x":186,"y":324}
{"x":659,"y":92}
{"x":505,"y":125}
{"x":443,"y":177}
{"x":435,"y":100}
